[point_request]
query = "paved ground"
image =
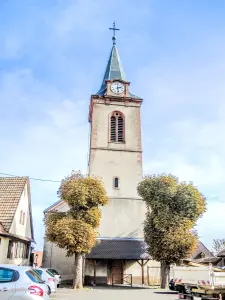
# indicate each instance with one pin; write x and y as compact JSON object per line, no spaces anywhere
{"x":114,"y":293}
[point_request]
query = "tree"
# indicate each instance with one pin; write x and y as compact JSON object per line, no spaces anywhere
{"x":173,"y":208}
{"x":218,"y":245}
{"x":76,"y":230}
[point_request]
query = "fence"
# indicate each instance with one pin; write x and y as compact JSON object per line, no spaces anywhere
{"x":153,"y":276}
{"x":122,"y":279}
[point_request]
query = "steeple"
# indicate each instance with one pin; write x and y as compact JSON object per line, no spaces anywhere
{"x":114,"y":69}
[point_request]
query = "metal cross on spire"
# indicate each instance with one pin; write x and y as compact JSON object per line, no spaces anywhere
{"x":114,"y":33}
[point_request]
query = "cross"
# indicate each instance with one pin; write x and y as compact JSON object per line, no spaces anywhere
{"x":114,"y":33}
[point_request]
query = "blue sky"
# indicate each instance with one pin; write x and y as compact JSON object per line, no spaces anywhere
{"x":52,"y":58}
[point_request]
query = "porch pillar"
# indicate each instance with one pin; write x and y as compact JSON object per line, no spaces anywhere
{"x":142,"y":264}
{"x":142,"y":272}
{"x":94,"y":263}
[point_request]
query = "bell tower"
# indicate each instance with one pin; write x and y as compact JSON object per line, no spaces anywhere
{"x":116,"y":150}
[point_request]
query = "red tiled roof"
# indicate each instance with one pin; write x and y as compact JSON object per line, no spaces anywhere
{"x":11,"y":189}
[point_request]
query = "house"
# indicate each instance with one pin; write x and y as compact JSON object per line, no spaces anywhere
{"x":16,"y":226}
{"x":202,"y":255}
{"x":221,"y":258}
{"x":37,"y":257}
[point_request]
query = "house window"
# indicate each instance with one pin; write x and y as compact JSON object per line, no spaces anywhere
{"x":26,"y":251}
{"x":116,"y":182}
{"x":16,"y":250}
{"x":22,"y":217}
{"x":117,"y":128}
{"x":10,"y":250}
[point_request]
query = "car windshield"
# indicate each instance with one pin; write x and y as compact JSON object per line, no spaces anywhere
{"x":49,"y":273}
{"x":54,"y":272}
{"x":34,"y":276}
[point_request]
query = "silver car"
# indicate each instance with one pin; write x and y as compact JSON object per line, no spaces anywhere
{"x":48,"y":278}
{"x":21,"y":283}
{"x":55,"y":274}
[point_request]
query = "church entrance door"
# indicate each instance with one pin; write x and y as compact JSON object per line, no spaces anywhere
{"x":115,"y":272}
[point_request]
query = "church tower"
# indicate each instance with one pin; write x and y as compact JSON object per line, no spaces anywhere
{"x":116,"y":150}
{"x":120,"y":253}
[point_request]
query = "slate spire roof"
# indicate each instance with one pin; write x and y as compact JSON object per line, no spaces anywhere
{"x":114,"y":69}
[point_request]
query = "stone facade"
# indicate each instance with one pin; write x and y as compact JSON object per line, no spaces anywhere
{"x":123,"y":160}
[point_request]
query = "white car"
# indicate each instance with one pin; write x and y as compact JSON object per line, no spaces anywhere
{"x":55,"y":274}
{"x":21,"y":283}
{"x":48,"y":278}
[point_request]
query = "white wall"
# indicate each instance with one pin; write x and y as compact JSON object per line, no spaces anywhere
{"x":19,"y":229}
{"x":122,"y":218}
{"x":54,"y":257}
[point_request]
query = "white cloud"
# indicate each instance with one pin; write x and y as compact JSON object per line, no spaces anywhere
{"x":48,"y":142}
{"x":211,"y":226}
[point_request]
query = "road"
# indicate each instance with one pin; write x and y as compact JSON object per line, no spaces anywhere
{"x":113,"y":293}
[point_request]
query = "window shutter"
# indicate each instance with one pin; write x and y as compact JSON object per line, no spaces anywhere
{"x":120,"y":129}
{"x":113,"y":129}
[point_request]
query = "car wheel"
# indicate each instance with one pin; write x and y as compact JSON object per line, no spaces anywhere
{"x":187,"y":289}
{"x":58,"y":285}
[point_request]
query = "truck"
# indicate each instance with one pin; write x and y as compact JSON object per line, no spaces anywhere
{"x":199,"y":282}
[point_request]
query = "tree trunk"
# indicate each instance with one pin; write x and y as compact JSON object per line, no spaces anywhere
{"x":165,"y":269}
{"x":78,"y":274}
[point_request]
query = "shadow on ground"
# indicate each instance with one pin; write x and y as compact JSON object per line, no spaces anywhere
{"x":166,"y":293}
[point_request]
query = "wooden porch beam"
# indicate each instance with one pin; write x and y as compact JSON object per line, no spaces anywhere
{"x":142,"y":264}
{"x":138,"y":262}
{"x":142,"y":272}
{"x":146,"y":262}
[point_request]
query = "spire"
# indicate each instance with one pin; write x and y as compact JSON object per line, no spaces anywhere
{"x":114,"y":69}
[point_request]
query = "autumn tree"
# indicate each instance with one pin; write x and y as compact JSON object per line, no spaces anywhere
{"x":76,"y":230}
{"x":218,"y":245}
{"x":173,"y":208}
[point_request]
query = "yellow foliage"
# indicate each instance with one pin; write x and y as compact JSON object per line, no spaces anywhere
{"x":73,"y":235}
{"x":75,"y":230}
{"x":173,"y":210}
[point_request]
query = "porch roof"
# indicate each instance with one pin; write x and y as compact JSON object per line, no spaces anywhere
{"x":118,"y":248}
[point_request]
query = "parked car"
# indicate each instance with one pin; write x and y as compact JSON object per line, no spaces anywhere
{"x":55,"y":274}
{"x":171,"y":285}
{"x":21,"y":283}
{"x":48,"y":278}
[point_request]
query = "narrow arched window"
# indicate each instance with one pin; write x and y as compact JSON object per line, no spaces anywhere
{"x":117,"y":128}
{"x":116,"y":182}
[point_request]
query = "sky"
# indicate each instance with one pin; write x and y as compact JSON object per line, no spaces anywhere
{"x":52,"y":58}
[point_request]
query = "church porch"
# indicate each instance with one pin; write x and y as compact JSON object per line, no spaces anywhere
{"x":118,"y":261}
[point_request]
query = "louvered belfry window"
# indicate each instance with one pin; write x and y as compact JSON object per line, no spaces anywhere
{"x":117,"y":128}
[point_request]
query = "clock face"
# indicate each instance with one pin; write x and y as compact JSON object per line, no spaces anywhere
{"x":117,"y":87}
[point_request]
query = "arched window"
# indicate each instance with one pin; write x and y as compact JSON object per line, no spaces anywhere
{"x":117,"y":128}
